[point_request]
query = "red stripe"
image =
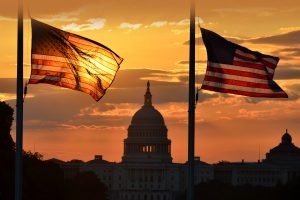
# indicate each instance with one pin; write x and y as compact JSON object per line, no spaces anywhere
{"x":236,"y":72}
{"x":249,"y":65}
{"x":68,"y":85}
{"x":67,"y":76}
{"x":58,"y":64}
{"x":238,"y":92}
{"x":272,"y":84}
{"x":69,"y":66}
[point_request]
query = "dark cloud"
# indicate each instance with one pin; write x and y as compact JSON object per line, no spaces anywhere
{"x":285,"y":72}
{"x":290,"y":38}
{"x":287,"y":53}
{"x":52,"y":106}
{"x":199,"y":40}
{"x":185,"y":62}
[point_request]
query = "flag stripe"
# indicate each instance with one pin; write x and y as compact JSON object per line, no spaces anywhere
{"x":67,"y":81}
{"x":59,"y":74}
{"x":237,"y":68}
{"x":237,"y":72}
{"x":240,"y":83}
{"x":93,"y":93}
{"x":236,"y":77}
{"x":241,"y":88}
{"x":75,"y":71}
{"x":80,"y":62}
{"x":253,"y":65}
{"x":244,"y":93}
{"x":92,"y":71}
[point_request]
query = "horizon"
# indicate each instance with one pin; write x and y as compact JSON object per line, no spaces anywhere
{"x":154,"y":46}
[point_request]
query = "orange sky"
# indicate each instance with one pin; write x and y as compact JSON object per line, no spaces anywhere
{"x":151,"y":36}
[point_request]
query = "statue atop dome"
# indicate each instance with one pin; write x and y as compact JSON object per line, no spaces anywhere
{"x":148,"y":96}
{"x":286,"y":138}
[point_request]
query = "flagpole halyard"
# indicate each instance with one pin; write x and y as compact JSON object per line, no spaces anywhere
{"x":19,"y":120}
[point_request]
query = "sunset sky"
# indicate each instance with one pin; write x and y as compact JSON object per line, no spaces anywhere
{"x":152,"y":36}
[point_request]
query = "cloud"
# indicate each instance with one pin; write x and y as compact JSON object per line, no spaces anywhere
{"x":290,"y":38}
{"x":236,"y":40}
{"x":7,"y":19}
{"x":289,"y":29}
{"x":60,"y":18}
{"x":158,"y":24}
{"x":92,"y":127}
{"x":185,"y":62}
{"x":126,"y":25}
{"x":286,"y":72}
{"x":115,"y":110}
{"x":93,"y":24}
{"x":7,"y":96}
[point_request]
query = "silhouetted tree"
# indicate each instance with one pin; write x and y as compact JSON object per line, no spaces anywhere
{"x":85,"y":186}
{"x":7,"y":147}
{"x":42,"y":180}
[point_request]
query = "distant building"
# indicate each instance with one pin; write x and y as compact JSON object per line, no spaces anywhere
{"x":147,"y":172}
{"x":281,"y":165}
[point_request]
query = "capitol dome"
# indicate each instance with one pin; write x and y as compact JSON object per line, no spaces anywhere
{"x":147,"y":114}
{"x":147,"y":139}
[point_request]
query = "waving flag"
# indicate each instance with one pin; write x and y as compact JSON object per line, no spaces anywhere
{"x":234,"y":69}
{"x":71,"y":61}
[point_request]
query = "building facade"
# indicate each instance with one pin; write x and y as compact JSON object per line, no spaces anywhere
{"x":146,"y":171}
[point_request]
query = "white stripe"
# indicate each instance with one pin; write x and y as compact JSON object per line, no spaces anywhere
{"x":81,"y":64}
{"x":248,"y":55}
{"x":238,"y":68}
{"x":270,"y":70}
{"x":241,"y":88}
{"x":65,"y":70}
{"x":65,"y":80}
{"x":235,"y":77}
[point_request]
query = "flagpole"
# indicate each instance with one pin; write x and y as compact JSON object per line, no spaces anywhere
{"x":191,"y":118}
{"x":19,"y":120}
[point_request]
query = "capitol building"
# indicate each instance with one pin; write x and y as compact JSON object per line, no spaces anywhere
{"x":147,"y":172}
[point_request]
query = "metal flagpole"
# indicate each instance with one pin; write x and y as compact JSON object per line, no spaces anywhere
{"x":19,"y":120}
{"x":191,"y":118}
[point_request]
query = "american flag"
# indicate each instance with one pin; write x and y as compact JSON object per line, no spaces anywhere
{"x":71,"y":61}
{"x":234,"y":69}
